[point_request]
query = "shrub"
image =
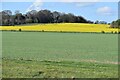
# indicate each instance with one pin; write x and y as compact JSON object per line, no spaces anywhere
{"x":102,"y":31}
{"x":112,"y":32}
{"x":115,"y":32}
{"x":20,"y":30}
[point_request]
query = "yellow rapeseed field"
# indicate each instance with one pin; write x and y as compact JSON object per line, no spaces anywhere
{"x":71,"y":27}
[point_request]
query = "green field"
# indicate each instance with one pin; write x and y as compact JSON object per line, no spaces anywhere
{"x":45,"y":54}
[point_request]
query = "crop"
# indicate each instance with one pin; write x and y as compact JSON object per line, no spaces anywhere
{"x":59,"y":55}
{"x":68,"y":27}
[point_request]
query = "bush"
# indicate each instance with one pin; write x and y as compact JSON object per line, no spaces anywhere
{"x":115,"y":32}
{"x":42,"y":30}
{"x":112,"y":32}
{"x":20,"y":30}
{"x":102,"y":31}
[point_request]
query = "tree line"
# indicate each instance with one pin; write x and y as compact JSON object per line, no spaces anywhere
{"x":42,"y":16}
{"x":115,"y":24}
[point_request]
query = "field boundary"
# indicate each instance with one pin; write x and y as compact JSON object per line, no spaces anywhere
{"x":60,"y":31}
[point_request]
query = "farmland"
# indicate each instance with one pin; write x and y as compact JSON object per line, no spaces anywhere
{"x":63,"y":27}
{"x":49,"y":54}
{"x":50,"y":39}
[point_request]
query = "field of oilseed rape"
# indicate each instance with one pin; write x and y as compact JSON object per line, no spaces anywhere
{"x":65,"y":27}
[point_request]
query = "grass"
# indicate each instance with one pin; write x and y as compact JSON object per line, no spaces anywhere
{"x":45,"y":54}
{"x":51,"y":69}
{"x":68,"y":27}
{"x":61,"y":46}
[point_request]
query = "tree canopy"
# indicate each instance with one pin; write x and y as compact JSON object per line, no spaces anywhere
{"x":115,"y":24}
{"x":42,"y":16}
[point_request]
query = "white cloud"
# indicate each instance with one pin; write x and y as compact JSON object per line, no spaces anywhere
{"x":84,"y":4}
{"x":105,"y":10}
{"x":35,"y":6}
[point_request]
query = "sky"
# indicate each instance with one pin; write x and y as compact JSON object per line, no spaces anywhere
{"x":102,"y":11}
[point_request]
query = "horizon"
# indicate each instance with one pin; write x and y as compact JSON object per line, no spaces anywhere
{"x":101,"y":11}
